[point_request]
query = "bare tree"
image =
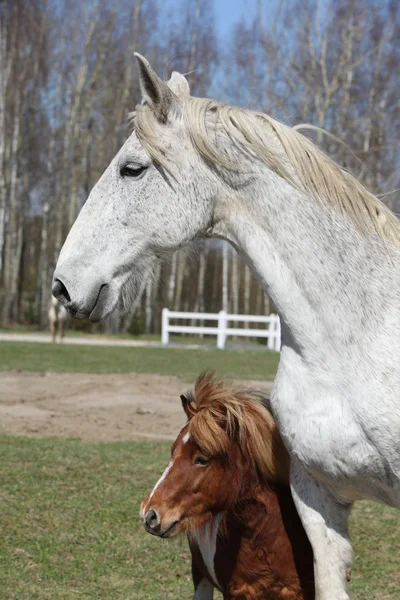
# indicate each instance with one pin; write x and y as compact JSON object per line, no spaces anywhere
{"x":67,"y":81}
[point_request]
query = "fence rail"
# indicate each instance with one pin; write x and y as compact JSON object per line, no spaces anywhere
{"x":222,"y":331}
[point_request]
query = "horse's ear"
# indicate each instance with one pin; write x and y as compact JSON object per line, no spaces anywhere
{"x":155,"y":92}
{"x":189,"y":406}
{"x":179,"y":85}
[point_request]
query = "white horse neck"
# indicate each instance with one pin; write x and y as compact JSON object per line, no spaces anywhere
{"x":330,"y":283}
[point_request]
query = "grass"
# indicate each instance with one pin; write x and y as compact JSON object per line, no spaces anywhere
{"x":69,"y":527}
{"x":69,"y":523}
{"x":182,"y":362}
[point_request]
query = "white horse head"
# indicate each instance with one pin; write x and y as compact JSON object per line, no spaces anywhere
{"x":185,"y":170}
{"x":138,"y":209}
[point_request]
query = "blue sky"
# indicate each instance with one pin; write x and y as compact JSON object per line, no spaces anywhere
{"x":228,"y":12}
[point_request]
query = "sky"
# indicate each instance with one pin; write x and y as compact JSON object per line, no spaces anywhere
{"x":228,"y":12}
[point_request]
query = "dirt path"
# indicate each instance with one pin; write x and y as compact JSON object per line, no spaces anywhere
{"x":76,"y":340}
{"x":94,"y":407}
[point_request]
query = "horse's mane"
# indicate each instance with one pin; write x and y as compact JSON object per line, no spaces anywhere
{"x":219,"y":413}
{"x":295,"y":158}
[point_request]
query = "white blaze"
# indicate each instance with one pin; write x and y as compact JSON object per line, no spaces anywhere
{"x":163,"y":476}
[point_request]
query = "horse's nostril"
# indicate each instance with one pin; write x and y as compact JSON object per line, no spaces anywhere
{"x":151,"y":519}
{"x":60,"y":292}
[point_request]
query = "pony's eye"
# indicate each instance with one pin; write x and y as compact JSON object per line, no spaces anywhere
{"x":132,"y":171}
{"x":201,"y":460}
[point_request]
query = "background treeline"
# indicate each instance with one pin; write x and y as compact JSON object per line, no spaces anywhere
{"x":68,"y":80}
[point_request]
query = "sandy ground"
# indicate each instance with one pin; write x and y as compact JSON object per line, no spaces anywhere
{"x":84,"y":340}
{"x":94,"y":407}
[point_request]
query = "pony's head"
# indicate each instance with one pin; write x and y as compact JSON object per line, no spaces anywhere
{"x":229,"y":442}
{"x":142,"y":207}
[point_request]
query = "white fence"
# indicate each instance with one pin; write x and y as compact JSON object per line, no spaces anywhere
{"x":273,"y":333}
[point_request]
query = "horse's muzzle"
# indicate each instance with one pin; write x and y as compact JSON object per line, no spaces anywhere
{"x":93,"y":303}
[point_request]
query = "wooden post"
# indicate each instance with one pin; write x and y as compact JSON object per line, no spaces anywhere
{"x":164,"y":327}
{"x":221,"y":339}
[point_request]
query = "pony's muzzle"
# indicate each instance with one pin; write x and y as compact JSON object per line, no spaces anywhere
{"x":152,"y":521}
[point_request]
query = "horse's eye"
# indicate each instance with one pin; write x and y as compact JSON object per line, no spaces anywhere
{"x":201,"y":460}
{"x":132,"y":171}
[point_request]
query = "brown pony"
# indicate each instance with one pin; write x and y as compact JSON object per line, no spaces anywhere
{"x":226,"y":487}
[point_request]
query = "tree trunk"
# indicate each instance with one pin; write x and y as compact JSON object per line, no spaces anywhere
{"x":149,"y":306}
{"x":13,"y":243}
{"x":42,"y":289}
{"x":126,"y":319}
{"x":259,"y":299}
{"x":156,"y":324}
{"x":15,"y":287}
{"x":125,"y":95}
{"x":179,"y":278}
{"x":267,"y":305}
{"x":246,"y":292}
{"x":75,"y":116}
{"x":5,"y":69}
{"x":172,"y":279}
{"x":199,"y":305}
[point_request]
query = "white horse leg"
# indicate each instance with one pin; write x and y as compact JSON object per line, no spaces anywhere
{"x":325,"y":521}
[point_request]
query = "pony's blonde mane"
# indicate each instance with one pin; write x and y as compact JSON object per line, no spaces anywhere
{"x":295,"y":158}
{"x":220,"y":413}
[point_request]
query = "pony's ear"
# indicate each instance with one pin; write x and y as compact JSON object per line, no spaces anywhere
{"x":179,"y":85}
{"x":155,"y":92}
{"x":189,"y":406}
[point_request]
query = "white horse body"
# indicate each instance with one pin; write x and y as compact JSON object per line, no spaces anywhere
{"x":328,"y":255}
{"x":339,"y":415}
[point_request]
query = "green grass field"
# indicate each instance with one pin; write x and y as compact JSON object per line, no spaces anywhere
{"x":182,"y":362}
{"x":69,"y":527}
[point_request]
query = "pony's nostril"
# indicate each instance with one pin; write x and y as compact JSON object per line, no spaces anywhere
{"x":151,"y":519}
{"x":60,"y":292}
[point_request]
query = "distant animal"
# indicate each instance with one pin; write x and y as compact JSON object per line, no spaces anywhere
{"x":324,"y":248}
{"x":226,"y":487}
{"x":58,"y":317}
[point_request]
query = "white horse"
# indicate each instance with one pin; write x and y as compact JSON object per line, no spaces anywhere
{"x":324,"y":248}
{"x":58,"y":316}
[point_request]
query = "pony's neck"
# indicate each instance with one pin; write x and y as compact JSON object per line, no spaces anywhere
{"x":321,"y":273}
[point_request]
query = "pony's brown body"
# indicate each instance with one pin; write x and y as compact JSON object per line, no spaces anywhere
{"x":226,"y":488}
{"x":262,"y":551}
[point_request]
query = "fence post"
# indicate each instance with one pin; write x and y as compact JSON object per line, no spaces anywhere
{"x":271,"y":333}
{"x":164,"y":326}
{"x":221,"y":338}
{"x":277,"y":340}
